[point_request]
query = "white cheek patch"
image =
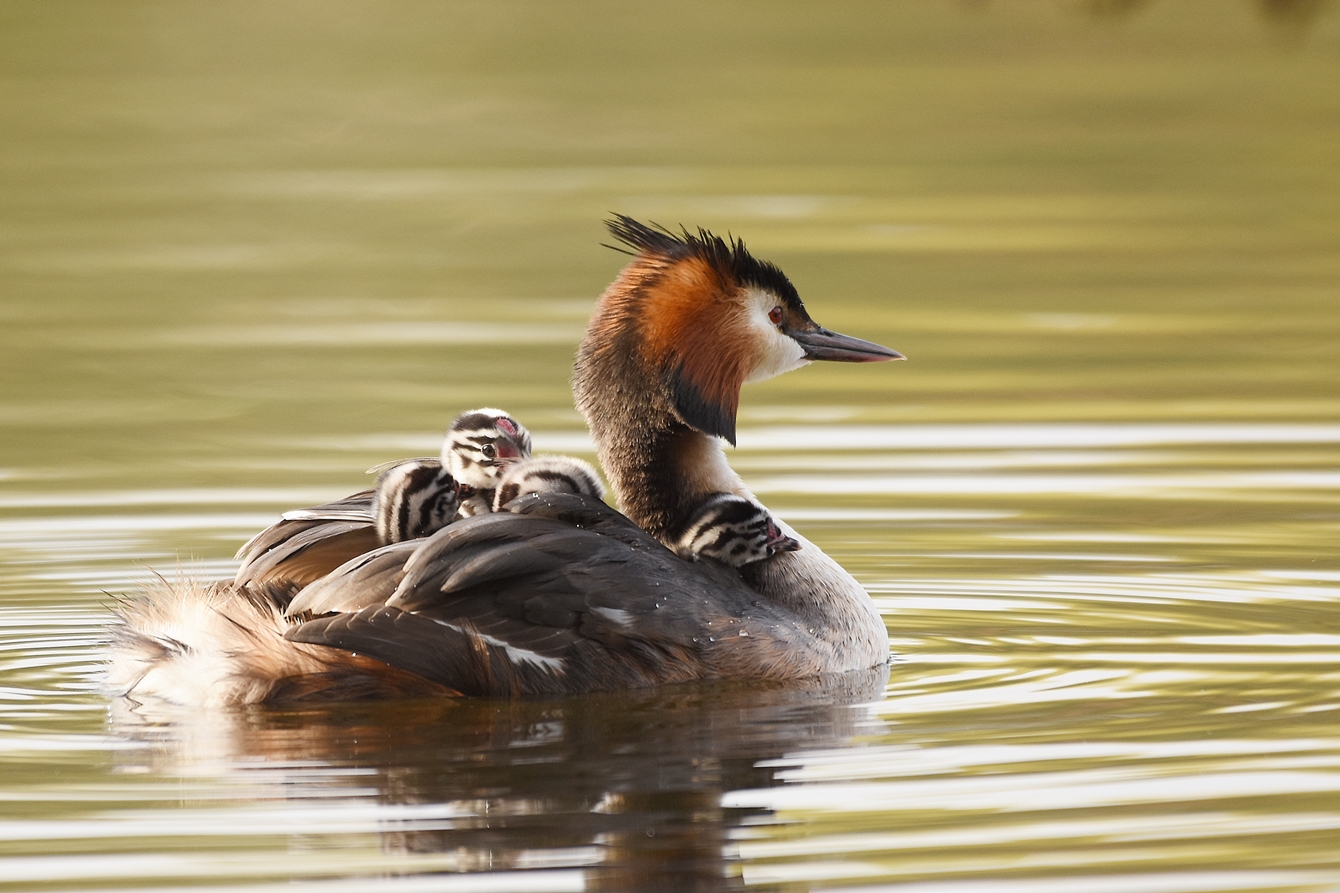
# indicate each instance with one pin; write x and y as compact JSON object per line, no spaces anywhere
{"x":775,"y":352}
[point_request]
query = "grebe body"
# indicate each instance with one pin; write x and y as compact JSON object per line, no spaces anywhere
{"x":559,"y":593}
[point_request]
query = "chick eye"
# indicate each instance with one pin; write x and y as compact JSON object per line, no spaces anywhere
{"x":489,"y":450}
{"x":775,"y":315}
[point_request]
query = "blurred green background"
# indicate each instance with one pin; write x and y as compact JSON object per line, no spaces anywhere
{"x":224,"y":225}
{"x":249,"y":249}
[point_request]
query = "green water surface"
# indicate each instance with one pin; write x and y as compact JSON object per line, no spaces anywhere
{"x":248,"y":250}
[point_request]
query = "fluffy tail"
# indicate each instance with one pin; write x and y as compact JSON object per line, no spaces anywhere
{"x":221,"y":645}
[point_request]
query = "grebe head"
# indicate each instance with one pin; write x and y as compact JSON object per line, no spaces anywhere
{"x":733,"y":530}
{"x":413,"y":499}
{"x":481,"y":443}
{"x":548,"y":474}
{"x":702,"y":316}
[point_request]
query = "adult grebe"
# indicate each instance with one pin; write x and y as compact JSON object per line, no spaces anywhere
{"x":560,"y":593}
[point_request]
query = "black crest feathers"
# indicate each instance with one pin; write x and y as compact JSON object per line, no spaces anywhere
{"x":728,"y":256}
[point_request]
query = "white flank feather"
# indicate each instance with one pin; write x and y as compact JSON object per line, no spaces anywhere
{"x":212,"y":645}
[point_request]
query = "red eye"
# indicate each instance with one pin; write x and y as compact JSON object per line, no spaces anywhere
{"x":775,"y":315}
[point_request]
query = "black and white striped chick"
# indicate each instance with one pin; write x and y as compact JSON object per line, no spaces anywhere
{"x":413,"y":499}
{"x":733,"y":530}
{"x":480,"y":445}
{"x":548,"y":474}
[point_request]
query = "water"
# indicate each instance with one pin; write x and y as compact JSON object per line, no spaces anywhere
{"x":250,"y":250}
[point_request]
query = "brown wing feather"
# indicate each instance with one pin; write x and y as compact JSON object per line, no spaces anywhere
{"x":367,"y":579}
{"x":302,"y":552}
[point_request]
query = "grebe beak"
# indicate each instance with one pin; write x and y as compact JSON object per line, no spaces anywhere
{"x":821,"y":344}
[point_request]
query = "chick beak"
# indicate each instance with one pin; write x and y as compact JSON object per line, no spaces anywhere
{"x":821,"y":344}
{"x":780,"y":542}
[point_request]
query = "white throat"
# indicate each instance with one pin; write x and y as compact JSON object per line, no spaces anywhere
{"x":706,"y":470}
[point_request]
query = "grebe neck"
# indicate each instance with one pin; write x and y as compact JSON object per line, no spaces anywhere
{"x":659,"y":468}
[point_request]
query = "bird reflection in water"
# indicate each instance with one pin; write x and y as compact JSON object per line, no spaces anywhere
{"x":625,"y":788}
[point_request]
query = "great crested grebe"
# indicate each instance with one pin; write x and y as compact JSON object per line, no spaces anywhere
{"x":306,"y":544}
{"x":733,"y":530}
{"x":559,"y":593}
